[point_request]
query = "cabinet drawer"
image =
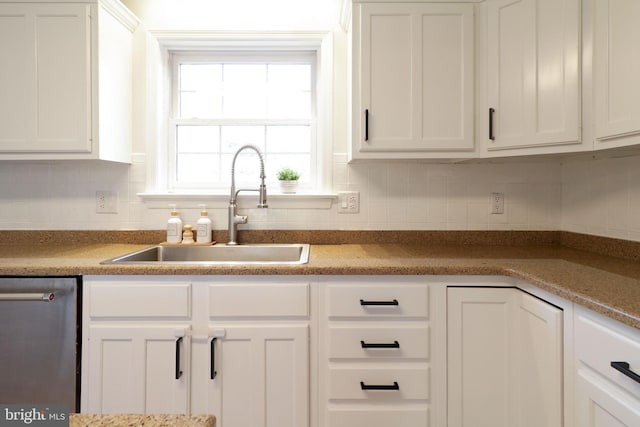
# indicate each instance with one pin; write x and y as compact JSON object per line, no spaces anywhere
{"x":123,"y":299}
{"x":600,"y":403}
{"x":600,"y":341}
{"x":401,"y":300}
{"x":259,"y":300}
{"x":372,"y":417}
{"x":379,"y":342}
{"x":385,"y":384}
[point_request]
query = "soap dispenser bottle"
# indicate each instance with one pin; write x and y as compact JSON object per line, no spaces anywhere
{"x":174,"y":227}
{"x":203,"y":226}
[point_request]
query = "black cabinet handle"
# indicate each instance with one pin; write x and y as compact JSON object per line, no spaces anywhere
{"x":624,"y":368}
{"x":213,"y":358}
{"x":366,"y":124}
{"x":394,"y":344}
{"x":392,"y":302}
{"x":491,"y":135}
{"x":178,"y":371}
{"x":393,"y":386}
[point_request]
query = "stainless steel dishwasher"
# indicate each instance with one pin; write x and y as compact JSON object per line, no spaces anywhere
{"x":39,"y":340}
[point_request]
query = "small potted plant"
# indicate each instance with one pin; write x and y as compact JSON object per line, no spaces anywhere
{"x":288,"y":179}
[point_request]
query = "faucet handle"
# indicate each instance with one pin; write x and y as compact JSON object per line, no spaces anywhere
{"x":262,"y":202}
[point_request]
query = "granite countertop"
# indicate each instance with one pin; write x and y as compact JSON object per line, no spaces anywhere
{"x":134,"y":420}
{"x":604,"y":283}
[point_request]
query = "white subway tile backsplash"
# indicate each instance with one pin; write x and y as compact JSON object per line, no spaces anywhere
{"x":599,"y":197}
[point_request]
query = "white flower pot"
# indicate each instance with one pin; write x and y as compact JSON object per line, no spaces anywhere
{"x":288,"y":186}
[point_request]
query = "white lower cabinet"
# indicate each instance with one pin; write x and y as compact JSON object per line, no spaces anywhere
{"x":138,"y":368}
{"x":354,"y":351}
{"x":235,"y":348}
{"x":376,"y":364}
{"x":260,"y":376}
{"x":505,"y":359}
{"x":605,"y":396}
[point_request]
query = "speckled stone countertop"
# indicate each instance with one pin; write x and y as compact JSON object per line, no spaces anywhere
{"x":133,"y":420}
{"x":599,"y":273}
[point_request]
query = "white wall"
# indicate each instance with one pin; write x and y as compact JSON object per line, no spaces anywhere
{"x":248,"y":15}
{"x":602,"y":197}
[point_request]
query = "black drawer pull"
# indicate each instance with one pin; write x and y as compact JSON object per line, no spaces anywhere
{"x":394,"y":386}
{"x":394,"y":344}
{"x":492,"y":111}
{"x":213,"y":359}
{"x":624,"y":368}
{"x":178,"y":371}
{"x":392,"y":302}
{"x":366,"y":124}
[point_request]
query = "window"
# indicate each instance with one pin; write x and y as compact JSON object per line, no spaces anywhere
{"x":224,"y":99}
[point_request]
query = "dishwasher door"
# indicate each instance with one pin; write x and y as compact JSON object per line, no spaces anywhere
{"x":38,"y":335}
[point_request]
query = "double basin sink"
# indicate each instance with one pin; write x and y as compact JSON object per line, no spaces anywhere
{"x":219,"y":254}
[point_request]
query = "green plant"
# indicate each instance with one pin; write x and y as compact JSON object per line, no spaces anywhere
{"x":288,"y":174}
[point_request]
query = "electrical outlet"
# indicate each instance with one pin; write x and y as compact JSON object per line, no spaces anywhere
{"x":497,"y":203}
{"x":106,"y":202}
{"x":348,"y":202}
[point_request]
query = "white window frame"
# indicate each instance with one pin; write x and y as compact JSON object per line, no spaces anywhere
{"x":157,"y":74}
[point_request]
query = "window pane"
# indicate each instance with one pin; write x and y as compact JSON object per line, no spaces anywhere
{"x":200,"y":90}
{"x":289,"y":91}
{"x":196,"y":168}
{"x":244,"y":90}
{"x":293,"y":139}
{"x":295,"y":77}
{"x":234,"y":137}
{"x":247,"y":169}
{"x":204,"y":139}
{"x":290,"y":105}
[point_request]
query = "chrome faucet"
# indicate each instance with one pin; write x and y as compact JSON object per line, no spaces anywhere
{"x":235,"y":219}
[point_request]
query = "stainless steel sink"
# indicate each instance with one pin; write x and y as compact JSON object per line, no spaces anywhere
{"x":219,"y":254}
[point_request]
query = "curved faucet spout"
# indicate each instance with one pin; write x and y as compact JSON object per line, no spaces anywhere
{"x":235,"y":219}
{"x":234,"y":193}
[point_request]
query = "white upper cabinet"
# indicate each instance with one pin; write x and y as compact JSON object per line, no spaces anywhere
{"x":67,"y":84}
{"x":532,"y":77}
{"x":616,"y":63}
{"x":412,"y":77}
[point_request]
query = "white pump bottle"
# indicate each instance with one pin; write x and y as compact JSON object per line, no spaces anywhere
{"x":174,"y":227}
{"x":203,"y":226}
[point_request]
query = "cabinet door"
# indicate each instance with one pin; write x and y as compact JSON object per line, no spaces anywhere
{"x":138,"y":369}
{"x":45,"y":82}
{"x":262,"y":376}
{"x":616,"y":71}
{"x":533,"y":92}
{"x":413,"y":80}
{"x":504,"y":359}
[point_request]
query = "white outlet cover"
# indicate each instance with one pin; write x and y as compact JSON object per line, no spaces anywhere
{"x":106,"y":201}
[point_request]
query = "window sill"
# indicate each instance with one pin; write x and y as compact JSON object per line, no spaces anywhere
{"x":245,"y":201}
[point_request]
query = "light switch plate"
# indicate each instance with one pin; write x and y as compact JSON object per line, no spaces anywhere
{"x":348,"y":202}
